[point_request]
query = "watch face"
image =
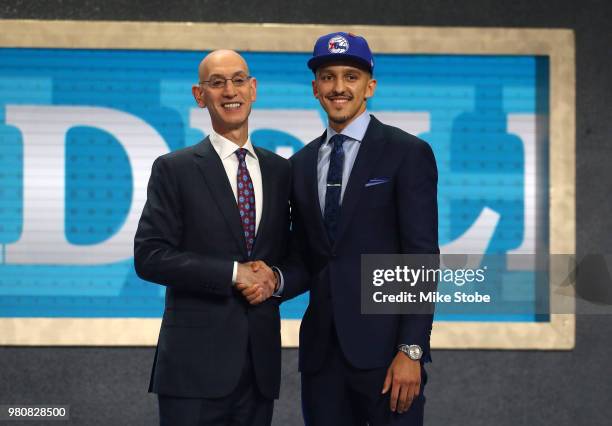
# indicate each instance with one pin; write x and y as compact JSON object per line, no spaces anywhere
{"x":415,"y":352}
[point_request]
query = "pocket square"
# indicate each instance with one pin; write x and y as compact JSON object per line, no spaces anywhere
{"x":376,"y":181}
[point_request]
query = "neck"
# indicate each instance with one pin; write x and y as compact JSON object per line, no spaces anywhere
{"x":239,"y":136}
{"x":339,"y":127}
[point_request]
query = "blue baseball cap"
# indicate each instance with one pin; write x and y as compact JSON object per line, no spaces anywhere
{"x":340,"y":47}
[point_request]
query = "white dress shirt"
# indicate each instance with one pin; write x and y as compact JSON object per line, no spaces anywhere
{"x":226,"y":150}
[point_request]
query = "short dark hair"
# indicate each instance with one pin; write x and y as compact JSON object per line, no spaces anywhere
{"x":346,"y":61}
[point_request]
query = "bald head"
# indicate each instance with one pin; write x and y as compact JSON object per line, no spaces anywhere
{"x":222,"y":59}
{"x":227,"y":90}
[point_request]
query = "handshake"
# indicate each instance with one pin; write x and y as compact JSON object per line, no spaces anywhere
{"x":256,"y":281}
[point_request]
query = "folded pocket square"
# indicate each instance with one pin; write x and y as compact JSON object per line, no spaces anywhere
{"x":376,"y":181}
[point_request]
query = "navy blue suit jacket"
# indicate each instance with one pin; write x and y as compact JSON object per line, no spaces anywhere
{"x":399,"y":216}
{"x":188,"y":238}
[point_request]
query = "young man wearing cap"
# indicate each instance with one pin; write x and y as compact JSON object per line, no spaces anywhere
{"x":362,"y":187}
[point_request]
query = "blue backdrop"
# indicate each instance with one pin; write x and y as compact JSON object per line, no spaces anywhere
{"x":481,"y":114}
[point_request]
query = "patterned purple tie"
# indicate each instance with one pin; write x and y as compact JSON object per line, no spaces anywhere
{"x":246,"y":199}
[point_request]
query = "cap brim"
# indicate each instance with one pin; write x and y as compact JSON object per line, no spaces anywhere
{"x":316,"y":62}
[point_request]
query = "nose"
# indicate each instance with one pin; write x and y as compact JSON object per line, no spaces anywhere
{"x":339,"y":85}
{"x":229,"y":90}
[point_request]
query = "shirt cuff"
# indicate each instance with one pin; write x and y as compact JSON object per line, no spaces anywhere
{"x":281,"y":285}
{"x":234,"y":273}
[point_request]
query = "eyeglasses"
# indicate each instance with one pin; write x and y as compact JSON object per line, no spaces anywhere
{"x":220,"y":82}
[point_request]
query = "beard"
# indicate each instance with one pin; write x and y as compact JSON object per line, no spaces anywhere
{"x":338,"y":119}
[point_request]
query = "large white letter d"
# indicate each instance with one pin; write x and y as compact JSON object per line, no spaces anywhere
{"x":43,"y":128}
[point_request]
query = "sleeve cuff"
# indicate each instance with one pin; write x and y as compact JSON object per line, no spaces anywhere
{"x":234,"y":273}
{"x":281,"y":285}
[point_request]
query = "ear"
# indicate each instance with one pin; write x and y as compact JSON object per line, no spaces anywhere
{"x":198,"y":95}
{"x":315,"y":89}
{"x":370,"y":88}
{"x":253,"y":83}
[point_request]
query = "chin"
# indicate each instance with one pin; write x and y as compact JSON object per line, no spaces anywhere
{"x":339,"y":119}
{"x":234,"y":119}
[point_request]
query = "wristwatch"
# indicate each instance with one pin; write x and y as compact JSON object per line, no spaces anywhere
{"x":414,"y":352}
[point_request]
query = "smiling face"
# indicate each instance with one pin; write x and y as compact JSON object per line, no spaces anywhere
{"x":342,"y":89}
{"x":229,"y":105}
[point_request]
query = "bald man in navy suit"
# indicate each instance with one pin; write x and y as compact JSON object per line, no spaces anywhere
{"x":211,"y":210}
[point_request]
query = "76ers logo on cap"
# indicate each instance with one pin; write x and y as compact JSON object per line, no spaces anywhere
{"x":337,"y":44}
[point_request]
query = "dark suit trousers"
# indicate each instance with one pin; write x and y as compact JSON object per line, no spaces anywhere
{"x":245,"y":406}
{"x":341,"y":395}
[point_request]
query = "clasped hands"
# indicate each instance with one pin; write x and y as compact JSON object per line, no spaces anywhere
{"x":256,"y":281}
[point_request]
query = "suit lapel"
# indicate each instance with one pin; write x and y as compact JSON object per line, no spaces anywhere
{"x":312,"y":187}
{"x":265,"y":168}
{"x":372,"y":147}
{"x":212,"y":170}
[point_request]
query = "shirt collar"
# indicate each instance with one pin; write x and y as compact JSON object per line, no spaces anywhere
{"x":226,"y":148}
{"x":355,"y":130}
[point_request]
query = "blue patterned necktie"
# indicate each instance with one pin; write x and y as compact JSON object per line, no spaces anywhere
{"x":331,"y":213}
{"x":246,"y":199}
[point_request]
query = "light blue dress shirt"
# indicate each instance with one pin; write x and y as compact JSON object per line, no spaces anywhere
{"x":355,"y":131}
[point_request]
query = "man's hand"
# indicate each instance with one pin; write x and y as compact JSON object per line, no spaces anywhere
{"x":404,"y":380}
{"x":256,"y":281}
